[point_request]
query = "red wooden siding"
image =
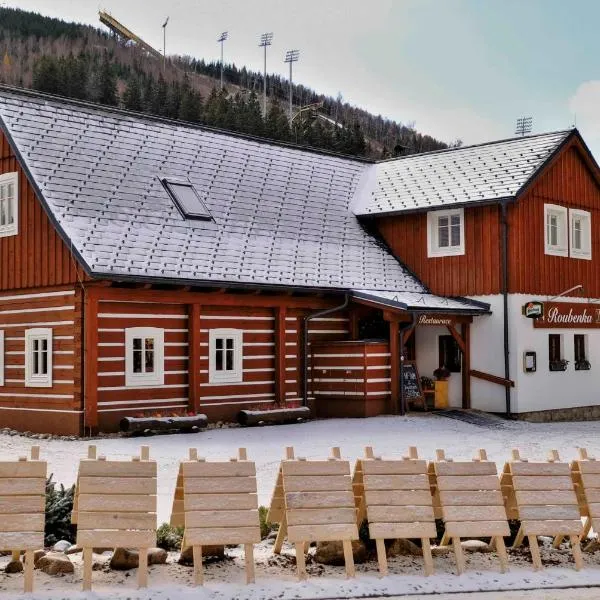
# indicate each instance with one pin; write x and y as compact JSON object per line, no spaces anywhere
{"x":477,"y":272}
{"x":57,"y":408}
{"x":114,"y":398}
{"x":37,"y":256}
{"x":567,"y":182}
{"x":351,"y":378}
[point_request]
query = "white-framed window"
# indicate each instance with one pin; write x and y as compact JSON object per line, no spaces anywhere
{"x":38,"y":357}
{"x":555,"y":237}
{"x":581,"y":233}
{"x":9,"y":204}
{"x":225,"y":356}
{"x":446,"y":232}
{"x":144,"y":356}
{"x":1,"y":357}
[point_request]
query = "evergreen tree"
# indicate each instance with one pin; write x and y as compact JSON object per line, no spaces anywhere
{"x":59,"y":506}
{"x":277,"y":126}
{"x":132,"y":98}
{"x":159,"y":102}
{"x":104,"y":84}
{"x":173,"y":100}
{"x":190,"y":106}
{"x":46,"y":76}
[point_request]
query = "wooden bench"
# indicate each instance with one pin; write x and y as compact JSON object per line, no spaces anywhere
{"x":22,"y":508}
{"x":585,"y":472}
{"x":313,"y":501}
{"x":394,"y":496}
{"x":115,"y":506}
{"x":467,"y":497}
{"x":541,"y":495}
{"x":219,"y":505}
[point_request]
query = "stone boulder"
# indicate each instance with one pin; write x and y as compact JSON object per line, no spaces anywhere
{"x":402,"y":547}
{"x":14,"y":566}
{"x":61,"y":546}
{"x":54,"y":563}
{"x":157,"y":556}
{"x":123,"y":559}
{"x":332,"y":553}
{"x":187,"y":557}
{"x":475,"y":546}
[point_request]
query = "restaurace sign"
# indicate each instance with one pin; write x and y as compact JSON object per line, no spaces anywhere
{"x":569,"y":315}
{"x":434,"y":320}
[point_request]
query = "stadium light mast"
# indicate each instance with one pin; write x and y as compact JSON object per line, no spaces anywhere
{"x":524,"y":126}
{"x":164,"y":27}
{"x":266,"y":39}
{"x":291,"y":56}
{"x":222,"y":39}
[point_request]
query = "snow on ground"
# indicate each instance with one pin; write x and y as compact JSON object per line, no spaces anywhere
{"x":390,"y":436}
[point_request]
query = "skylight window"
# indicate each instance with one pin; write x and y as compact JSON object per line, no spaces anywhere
{"x":187,"y":199}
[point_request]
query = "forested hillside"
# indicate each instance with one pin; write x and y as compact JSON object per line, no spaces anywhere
{"x":81,"y":61}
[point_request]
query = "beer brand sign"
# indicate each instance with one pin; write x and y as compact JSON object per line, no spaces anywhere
{"x":569,"y":315}
{"x":434,"y":320}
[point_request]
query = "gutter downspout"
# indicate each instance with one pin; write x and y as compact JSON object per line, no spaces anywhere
{"x":505,"y":304}
{"x":307,"y":319}
{"x":401,"y":330}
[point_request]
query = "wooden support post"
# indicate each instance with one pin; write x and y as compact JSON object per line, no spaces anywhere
{"x":280,"y":315}
{"x":194,"y":357}
{"x":249,"y":558}
{"x":381,"y":557}
{"x":394,"y":367}
{"x":518,"y":538}
{"x":502,"y":555}
{"x":143,"y":568}
{"x":458,"y":553}
{"x":348,"y":558}
{"x":300,"y":560}
{"x":576,"y":549}
{"x":198,"y":571}
{"x":15,"y":555}
{"x":281,"y":533}
{"x":466,"y":366}
{"x":558,"y":540}
{"x":536,"y":559}
{"x":87,"y":569}
{"x":28,"y":584}
{"x":90,"y":418}
{"x":353,"y":324}
{"x":427,"y":558}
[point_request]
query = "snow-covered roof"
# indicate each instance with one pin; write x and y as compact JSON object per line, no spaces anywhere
{"x":281,"y":214}
{"x":457,"y":176}
{"x":415,"y":301}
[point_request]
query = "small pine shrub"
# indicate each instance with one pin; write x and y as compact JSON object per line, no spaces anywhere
{"x":169,"y":538}
{"x":265,"y":526}
{"x":59,"y":506}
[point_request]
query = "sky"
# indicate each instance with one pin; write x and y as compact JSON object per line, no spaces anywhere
{"x":462,"y":69}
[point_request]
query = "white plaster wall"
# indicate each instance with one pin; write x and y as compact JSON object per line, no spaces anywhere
{"x":545,"y":389}
{"x":487,"y":355}
{"x":427,"y":354}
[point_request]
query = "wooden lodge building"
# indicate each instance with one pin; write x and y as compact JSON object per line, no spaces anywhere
{"x":155,"y":267}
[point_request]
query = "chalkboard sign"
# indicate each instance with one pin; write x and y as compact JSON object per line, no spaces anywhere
{"x":411,"y":382}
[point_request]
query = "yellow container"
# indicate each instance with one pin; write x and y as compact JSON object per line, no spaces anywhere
{"x":441,"y":394}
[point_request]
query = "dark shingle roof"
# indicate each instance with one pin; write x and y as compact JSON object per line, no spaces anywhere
{"x":458,"y":176}
{"x":281,"y":214}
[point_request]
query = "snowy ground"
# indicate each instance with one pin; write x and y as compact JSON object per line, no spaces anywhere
{"x":390,"y":436}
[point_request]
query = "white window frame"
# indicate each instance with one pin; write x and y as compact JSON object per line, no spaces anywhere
{"x":12,"y":228}
{"x":32,"y":379}
{"x":586,"y":251}
{"x":157,"y":377}
{"x":236,"y":375}
{"x":1,"y":357}
{"x":433,"y":247}
{"x":562,"y":248}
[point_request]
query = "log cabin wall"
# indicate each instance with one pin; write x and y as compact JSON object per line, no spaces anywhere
{"x":37,"y":256}
{"x":259,"y":323}
{"x":568,"y":182}
{"x":476,"y":273}
{"x":58,"y":408}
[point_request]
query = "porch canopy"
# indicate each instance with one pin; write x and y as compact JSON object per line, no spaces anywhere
{"x":405,"y":310}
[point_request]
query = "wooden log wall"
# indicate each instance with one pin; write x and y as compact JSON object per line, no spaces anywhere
{"x":37,"y":256}
{"x":56,"y":409}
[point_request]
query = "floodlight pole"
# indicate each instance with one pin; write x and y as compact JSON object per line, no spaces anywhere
{"x":291,"y":56}
{"x":265,"y":40}
{"x":164,"y":27}
{"x":221,"y":39}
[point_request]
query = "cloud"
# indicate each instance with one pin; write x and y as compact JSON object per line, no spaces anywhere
{"x":584,"y":104}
